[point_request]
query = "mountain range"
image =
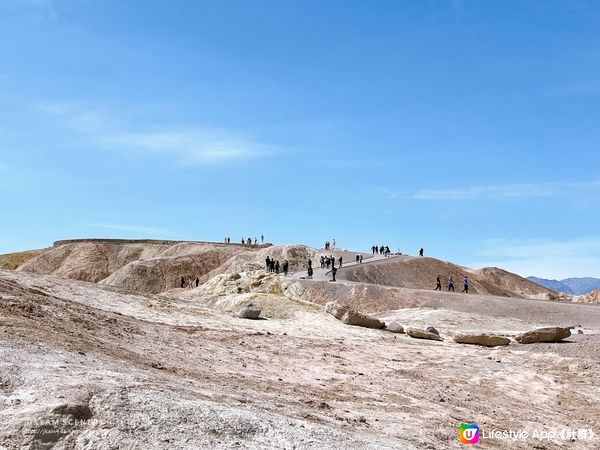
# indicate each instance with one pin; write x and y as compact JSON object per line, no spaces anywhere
{"x":571,"y":286}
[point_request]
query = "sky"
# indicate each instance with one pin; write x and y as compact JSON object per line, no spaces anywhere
{"x":468,"y":128}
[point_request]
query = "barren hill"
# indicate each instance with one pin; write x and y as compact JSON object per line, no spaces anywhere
{"x":421,"y":273}
{"x":592,"y":297}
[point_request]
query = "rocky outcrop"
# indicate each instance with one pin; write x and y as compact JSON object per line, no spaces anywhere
{"x":394,"y":327}
{"x":351,"y":317}
{"x":432,"y":330}
{"x":422,"y":334}
{"x":551,"y":334}
{"x":249,"y":312}
{"x":487,"y":340}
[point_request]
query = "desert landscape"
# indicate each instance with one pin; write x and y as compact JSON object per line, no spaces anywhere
{"x":102,"y":348}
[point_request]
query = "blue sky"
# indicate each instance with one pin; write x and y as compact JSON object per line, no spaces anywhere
{"x":468,"y":128}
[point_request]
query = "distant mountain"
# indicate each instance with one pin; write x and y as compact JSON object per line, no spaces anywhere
{"x":555,"y":285}
{"x":571,"y":286}
{"x":581,"y":286}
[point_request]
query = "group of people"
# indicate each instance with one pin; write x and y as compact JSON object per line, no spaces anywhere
{"x":273,"y":266}
{"x":383,"y":250}
{"x":329,"y":261}
{"x":247,"y":241}
{"x":450,"y":284}
{"x":328,"y":245}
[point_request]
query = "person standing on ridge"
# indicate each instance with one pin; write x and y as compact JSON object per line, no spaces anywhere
{"x":421,"y":252}
{"x":360,"y":259}
{"x":333,"y":272}
{"x":466,"y":285}
{"x":357,"y":258}
{"x":438,"y":286}
{"x":450,"y":284}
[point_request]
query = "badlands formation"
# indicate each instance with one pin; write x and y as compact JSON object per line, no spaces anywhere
{"x":101,"y":349}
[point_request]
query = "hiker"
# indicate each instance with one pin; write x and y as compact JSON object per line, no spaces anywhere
{"x":255,"y":241}
{"x":309,"y":263}
{"x":277,"y":266}
{"x":272,"y":264}
{"x":421,"y":252}
{"x":243,"y":242}
{"x":438,"y":286}
{"x":286,"y":266}
{"x":327,"y":262}
{"x":373,"y":249}
{"x":340,"y":260}
{"x":197,"y":281}
{"x":466,"y":285}
{"x":333,"y":272}
{"x":450,"y":284}
{"x":333,"y":245}
{"x":361,"y":259}
{"x":182,"y":282}
{"x":322,"y":262}
{"x":268,"y":262}
{"x":229,"y":240}
{"x":357,"y":258}
{"x":310,"y":272}
{"x":262,"y":238}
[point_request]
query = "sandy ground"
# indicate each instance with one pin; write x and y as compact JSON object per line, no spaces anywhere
{"x":171,"y":371}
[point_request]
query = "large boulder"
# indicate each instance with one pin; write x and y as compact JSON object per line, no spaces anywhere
{"x":484,"y":339}
{"x":394,"y":327}
{"x":422,"y":334}
{"x":550,"y":334}
{"x":335,"y":309}
{"x":351,"y":317}
{"x":249,"y":312}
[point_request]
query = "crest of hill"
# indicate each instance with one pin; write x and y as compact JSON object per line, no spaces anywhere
{"x":205,"y":261}
{"x":96,"y":261}
{"x":421,"y":273}
{"x":591,"y":297}
{"x":12,"y":261}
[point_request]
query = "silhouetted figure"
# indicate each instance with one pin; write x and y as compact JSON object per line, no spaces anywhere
{"x":310,"y":272}
{"x":333,"y":272}
{"x":197,"y":281}
{"x":322,"y":262}
{"x":450,"y":284}
{"x":466,"y":285}
{"x":182,"y":282}
{"x":333,"y":244}
{"x":340,"y":261}
{"x":229,"y":240}
{"x":327,"y":262}
{"x":243,"y":242}
{"x":272,"y":265}
{"x":438,"y":286}
{"x":255,"y":241}
{"x":361,"y":259}
{"x":309,"y":263}
{"x":276,"y":266}
{"x":262,"y":238}
{"x":286,"y":266}
{"x":421,"y":252}
{"x":381,"y":250}
{"x":357,"y":259}
{"x":268,"y":263}
{"x":373,"y":249}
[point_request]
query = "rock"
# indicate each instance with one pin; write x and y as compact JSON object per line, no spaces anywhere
{"x":394,"y":327}
{"x":487,"y":340}
{"x":579,"y":331}
{"x":77,"y":412}
{"x":359,"y":319}
{"x":422,"y":334}
{"x":335,"y":309}
{"x":351,"y":317}
{"x":249,"y":312}
{"x":234,"y":276}
{"x":432,"y":330}
{"x":551,"y":334}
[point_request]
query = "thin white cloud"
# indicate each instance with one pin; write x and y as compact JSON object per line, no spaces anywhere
{"x":183,"y":145}
{"x":545,"y":258}
{"x":133,"y":229}
{"x":190,"y":147}
{"x":506,"y":191}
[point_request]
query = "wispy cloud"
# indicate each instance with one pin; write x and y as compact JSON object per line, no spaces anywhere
{"x":506,"y":191}
{"x":185,"y":145}
{"x":546,"y":258}
{"x":149,"y":231}
{"x":190,"y":147}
